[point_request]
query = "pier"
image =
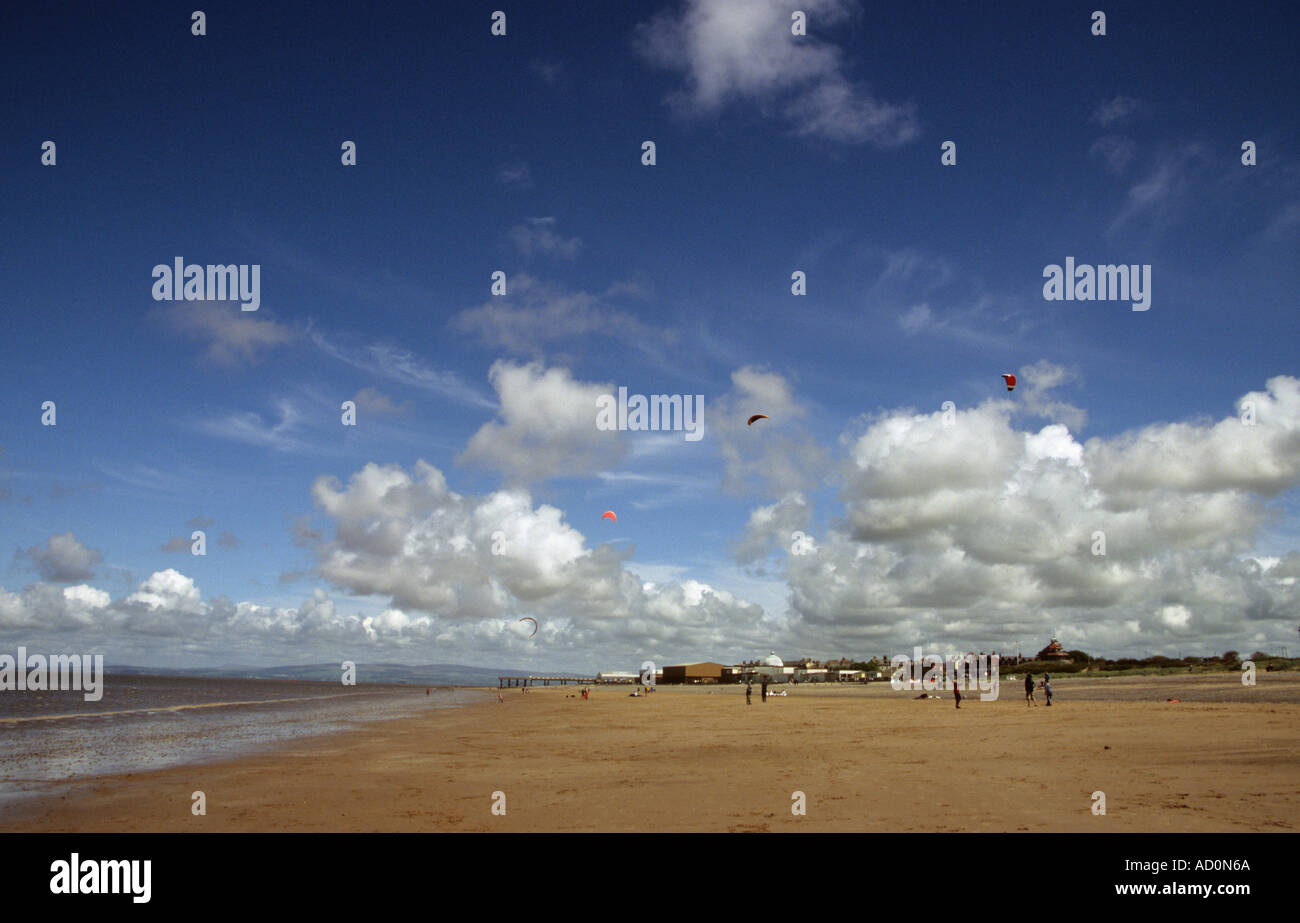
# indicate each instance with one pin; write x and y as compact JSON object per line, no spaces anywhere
{"x":506,"y":682}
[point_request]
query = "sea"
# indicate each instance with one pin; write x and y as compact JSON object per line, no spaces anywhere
{"x":51,"y":738}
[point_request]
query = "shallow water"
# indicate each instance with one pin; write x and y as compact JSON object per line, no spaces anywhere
{"x":147,"y":722}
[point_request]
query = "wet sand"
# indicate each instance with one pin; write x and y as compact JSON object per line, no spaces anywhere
{"x":1225,"y":758}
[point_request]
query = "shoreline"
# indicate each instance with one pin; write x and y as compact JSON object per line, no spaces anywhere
{"x":67,"y":752}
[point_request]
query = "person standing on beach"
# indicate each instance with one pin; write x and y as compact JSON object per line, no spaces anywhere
{"x":764,"y":688}
{"x":956,"y":693}
{"x":1029,"y":690}
{"x":749,"y":690}
{"x":1047,"y":688}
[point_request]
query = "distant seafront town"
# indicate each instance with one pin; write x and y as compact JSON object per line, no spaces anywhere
{"x":773,"y":669}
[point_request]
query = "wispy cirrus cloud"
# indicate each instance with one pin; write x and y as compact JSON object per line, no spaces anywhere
{"x":656,"y":491}
{"x":744,"y":51}
{"x":516,"y":175}
{"x":231,"y":336}
{"x":401,"y":365}
{"x":537,"y":313}
{"x":282,"y":435}
{"x":1115,"y":110}
{"x":1117,"y":151}
{"x":976,"y":324}
{"x":170,"y":481}
{"x":372,"y":400}
{"x":1160,"y":191}
{"x":540,"y":235}
{"x":943,"y":299}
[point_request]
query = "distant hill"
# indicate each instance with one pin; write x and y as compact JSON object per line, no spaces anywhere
{"x":433,"y":674}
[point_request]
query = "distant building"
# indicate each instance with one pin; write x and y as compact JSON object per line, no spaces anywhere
{"x":772,"y":668}
{"x":693,"y":673}
{"x":1053,"y":651}
{"x":610,"y":676}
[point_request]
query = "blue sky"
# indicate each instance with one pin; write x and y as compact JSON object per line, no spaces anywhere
{"x":522,"y":153}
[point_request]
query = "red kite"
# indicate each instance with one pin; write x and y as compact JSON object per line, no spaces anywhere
{"x":1010,"y":380}
{"x":609,"y":514}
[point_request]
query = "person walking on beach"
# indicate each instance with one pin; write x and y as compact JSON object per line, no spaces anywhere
{"x":1029,"y":690}
{"x":749,"y":690}
{"x":956,"y":693}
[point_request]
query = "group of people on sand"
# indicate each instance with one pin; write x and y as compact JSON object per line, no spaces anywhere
{"x":749,"y":691}
{"x":1029,"y":690}
{"x":586,"y":693}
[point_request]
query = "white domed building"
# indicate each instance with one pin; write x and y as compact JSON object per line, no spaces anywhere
{"x":772,"y":668}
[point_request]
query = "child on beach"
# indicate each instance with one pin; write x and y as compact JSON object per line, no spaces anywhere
{"x":1047,"y":688}
{"x":1029,"y":690}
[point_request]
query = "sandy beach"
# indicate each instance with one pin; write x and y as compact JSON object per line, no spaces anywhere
{"x":1224,"y":759}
